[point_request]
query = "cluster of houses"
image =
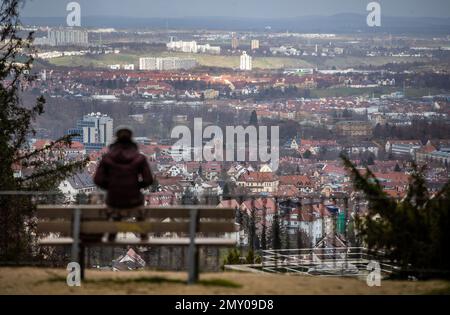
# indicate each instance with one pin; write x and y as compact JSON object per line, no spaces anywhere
{"x":310,"y":199}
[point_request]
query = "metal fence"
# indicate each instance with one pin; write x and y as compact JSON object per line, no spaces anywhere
{"x":325,"y":261}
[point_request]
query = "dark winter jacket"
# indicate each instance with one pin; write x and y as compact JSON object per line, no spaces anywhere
{"x":122,"y":172}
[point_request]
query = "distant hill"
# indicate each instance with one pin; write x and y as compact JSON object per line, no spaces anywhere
{"x":340,"y":23}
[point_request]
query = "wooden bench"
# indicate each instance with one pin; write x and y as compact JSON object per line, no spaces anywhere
{"x":65,"y":225}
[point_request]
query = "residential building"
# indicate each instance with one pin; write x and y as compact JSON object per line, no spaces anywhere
{"x":148,"y":63}
{"x":403,"y":147}
{"x":211,"y":170}
{"x":168,"y":63}
{"x":208,"y":49}
{"x":211,"y":94}
{"x":354,"y":128}
{"x":361,"y":147}
{"x":299,"y":71}
{"x":442,"y":157}
{"x":192,"y":47}
{"x":95,"y":131}
{"x":160,"y":198}
{"x":128,"y":67}
{"x":187,"y":47}
{"x":258,"y":182}
{"x":80,"y":183}
{"x":234,"y":41}
{"x":254,"y":44}
{"x":246,"y":63}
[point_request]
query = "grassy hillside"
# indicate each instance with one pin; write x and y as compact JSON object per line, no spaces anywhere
{"x":103,"y":61}
{"x":53,"y":281}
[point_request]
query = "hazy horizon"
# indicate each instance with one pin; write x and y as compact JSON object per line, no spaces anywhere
{"x":235,"y":17}
{"x":252,"y":9}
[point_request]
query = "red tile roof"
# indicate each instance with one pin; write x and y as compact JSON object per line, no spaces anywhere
{"x":258,"y":177}
{"x":301,"y":180}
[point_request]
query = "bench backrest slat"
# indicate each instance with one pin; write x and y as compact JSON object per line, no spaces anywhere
{"x":100,"y":212}
{"x":100,"y":227}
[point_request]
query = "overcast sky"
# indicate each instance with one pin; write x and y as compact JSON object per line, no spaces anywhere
{"x":235,"y":8}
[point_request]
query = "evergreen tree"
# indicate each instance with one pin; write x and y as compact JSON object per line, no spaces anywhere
{"x":226,"y":191}
{"x":307,"y":154}
{"x":239,"y":216}
{"x":275,"y":233}
{"x":264,"y":237}
{"x":415,"y":231}
{"x":253,"y":119}
{"x":279,"y":172}
{"x":299,"y":239}
{"x":352,"y":238}
{"x":252,"y":238}
{"x":347,"y":113}
{"x":16,"y":120}
{"x":286,"y":240}
{"x":189,"y":196}
{"x":252,"y":258}
{"x":155,"y":185}
{"x":250,"y":227}
{"x":303,"y":240}
{"x":233,"y":257}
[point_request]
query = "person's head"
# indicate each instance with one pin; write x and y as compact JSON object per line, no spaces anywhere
{"x":124,"y":134}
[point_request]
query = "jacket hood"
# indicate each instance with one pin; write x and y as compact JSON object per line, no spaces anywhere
{"x":123,"y":152}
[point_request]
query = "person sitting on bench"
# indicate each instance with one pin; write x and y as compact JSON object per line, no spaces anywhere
{"x":123,"y":172}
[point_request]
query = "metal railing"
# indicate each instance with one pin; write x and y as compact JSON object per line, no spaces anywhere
{"x":325,"y":261}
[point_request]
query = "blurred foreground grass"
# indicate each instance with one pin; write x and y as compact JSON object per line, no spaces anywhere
{"x":53,"y":281}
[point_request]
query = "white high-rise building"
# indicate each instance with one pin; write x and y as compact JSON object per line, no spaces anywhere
{"x":192,"y":47}
{"x":95,"y":131}
{"x":234,"y":41}
{"x":246,"y":62}
{"x":67,"y":37}
{"x":148,"y":63}
{"x":187,"y":47}
{"x":101,"y":130}
{"x":255,"y":44}
{"x":168,"y":63}
{"x":208,"y":49}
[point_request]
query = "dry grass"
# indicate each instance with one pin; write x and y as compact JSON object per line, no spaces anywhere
{"x":103,"y":61}
{"x":52,"y":281}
